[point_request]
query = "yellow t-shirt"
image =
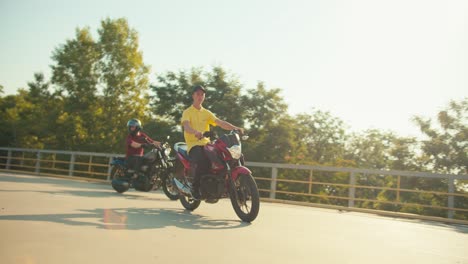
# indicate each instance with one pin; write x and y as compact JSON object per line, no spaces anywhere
{"x":199,"y":120}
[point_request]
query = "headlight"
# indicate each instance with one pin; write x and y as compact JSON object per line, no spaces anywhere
{"x":235,"y":151}
{"x":167,"y":151}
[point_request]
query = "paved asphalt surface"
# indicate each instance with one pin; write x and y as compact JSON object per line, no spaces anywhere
{"x":62,"y":221}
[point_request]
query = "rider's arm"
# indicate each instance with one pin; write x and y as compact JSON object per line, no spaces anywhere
{"x":190,"y":130}
{"x":136,"y":144}
{"x":152,"y":141}
{"x":228,"y":126}
{"x":139,"y":145}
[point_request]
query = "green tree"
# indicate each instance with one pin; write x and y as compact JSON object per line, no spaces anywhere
{"x":103,"y":84}
{"x":28,"y":118}
{"x":46,"y":108}
{"x":403,"y":154}
{"x":12,"y":109}
{"x":370,"y":149}
{"x":272,"y":144}
{"x":322,"y":136}
{"x":75,"y":70}
{"x":446,"y":146}
{"x":269,"y":126}
{"x":263,"y":107}
{"x":225,"y":96}
{"x":76,"y":76}
{"x":125,"y":82}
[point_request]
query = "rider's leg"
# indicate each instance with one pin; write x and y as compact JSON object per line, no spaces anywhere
{"x":134,"y":164}
{"x":197,"y":168}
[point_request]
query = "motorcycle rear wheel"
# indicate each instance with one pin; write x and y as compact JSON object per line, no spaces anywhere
{"x":118,"y":173}
{"x":246,"y":203}
{"x":189,"y":204}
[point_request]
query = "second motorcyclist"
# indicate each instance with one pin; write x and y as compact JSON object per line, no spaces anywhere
{"x":135,"y":141}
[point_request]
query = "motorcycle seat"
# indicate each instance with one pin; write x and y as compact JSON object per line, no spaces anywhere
{"x":181,"y":147}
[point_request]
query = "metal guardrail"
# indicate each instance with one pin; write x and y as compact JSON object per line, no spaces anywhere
{"x":55,"y":162}
{"x":310,"y":184}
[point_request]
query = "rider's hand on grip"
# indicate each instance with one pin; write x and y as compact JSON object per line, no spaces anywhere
{"x":210,"y":134}
{"x":198,"y":135}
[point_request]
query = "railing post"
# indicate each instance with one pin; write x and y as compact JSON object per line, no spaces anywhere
{"x":38,"y":163}
{"x":8,"y":160}
{"x":451,"y":199}
{"x":311,"y":174}
{"x":89,"y":163}
{"x":53,"y":160}
{"x":398,"y":188}
{"x":22,"y":160}
{"x":352,"y":189}
{"x":109,"y":169}
{"x":274,"y":176}
{"x":72,"y":165}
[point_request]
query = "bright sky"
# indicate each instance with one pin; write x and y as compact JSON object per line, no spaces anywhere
{"x":371,"y":63}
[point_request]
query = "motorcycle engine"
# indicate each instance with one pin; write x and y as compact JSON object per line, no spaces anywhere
{"x":142,"y":183}
{"x":212,"y":186}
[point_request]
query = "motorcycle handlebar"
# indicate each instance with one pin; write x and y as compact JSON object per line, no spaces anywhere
{"x":208,"y":134}
{"x":212,"y":134}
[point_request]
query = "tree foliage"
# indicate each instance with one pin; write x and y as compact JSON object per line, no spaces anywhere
{"x":446,"y":146}
{"x":104,"y":83}
{"x":322,"y":135}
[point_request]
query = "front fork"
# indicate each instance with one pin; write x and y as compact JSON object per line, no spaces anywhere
{"x":239,"y":170}
{"x":234,"y":174}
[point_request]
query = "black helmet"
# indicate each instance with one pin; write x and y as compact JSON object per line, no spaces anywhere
{"x":136,"y":123}
{"x":198,"y":87}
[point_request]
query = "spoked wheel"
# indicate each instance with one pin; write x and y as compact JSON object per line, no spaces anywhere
{"x":189,"y":203}
{"x":245,"y":198}
{"x":169,"y":188}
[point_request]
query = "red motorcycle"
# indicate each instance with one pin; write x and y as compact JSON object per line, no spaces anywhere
{"x":227,"y":176}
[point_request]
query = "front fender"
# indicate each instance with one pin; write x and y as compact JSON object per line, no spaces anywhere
{"x":240,"y":170}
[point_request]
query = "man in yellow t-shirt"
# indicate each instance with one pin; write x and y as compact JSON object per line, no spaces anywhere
{"x":196,"y":120}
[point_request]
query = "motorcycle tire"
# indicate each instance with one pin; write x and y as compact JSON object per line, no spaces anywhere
{"x":169,"y":189}
{"x":189,"y":204}
{"x":119,"y":185}
{"x":243,"y":190}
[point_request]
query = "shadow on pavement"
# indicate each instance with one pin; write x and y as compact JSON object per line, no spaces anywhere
{"x":457,"y":227}
{"x":132,"y":195}
{"x":95,"y":189}
{"x":132,"y":219}
{"x":42,"y":179}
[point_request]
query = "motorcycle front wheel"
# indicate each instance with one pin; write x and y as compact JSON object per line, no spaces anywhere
{"x":169,"y":188}
{"x":245,"y":198}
